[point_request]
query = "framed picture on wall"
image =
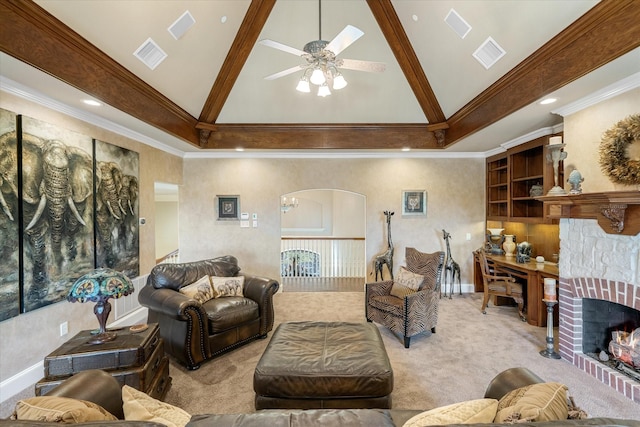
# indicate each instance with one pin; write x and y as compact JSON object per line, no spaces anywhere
{"x":414,"y":203}
{"x":228,"y":207}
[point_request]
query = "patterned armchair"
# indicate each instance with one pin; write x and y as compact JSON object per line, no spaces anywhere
{"x":416,"y":312}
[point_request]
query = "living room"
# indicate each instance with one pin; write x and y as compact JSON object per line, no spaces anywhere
{"x":454,"y":182}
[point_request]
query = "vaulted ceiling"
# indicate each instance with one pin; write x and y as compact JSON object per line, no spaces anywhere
{"x":210,"y":92}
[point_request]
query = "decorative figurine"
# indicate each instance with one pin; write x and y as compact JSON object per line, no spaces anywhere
{"x":555,"y":155}
{"x":495,"y":239}
{"x":451,"y":269}
{"x":385,"y":257}
{"x":536,"y":190}
{"x":575,"y":179}
{"x":523,"y":253}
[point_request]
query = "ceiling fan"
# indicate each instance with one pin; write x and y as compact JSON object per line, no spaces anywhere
{"x":322,"y":67}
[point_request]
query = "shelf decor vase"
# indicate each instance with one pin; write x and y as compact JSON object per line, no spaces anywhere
{"x":509,"y":245}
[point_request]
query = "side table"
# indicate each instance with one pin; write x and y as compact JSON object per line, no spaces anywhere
{"x":136,"y":359}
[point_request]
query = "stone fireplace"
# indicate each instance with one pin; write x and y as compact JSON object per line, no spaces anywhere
{"x":597,"y":266}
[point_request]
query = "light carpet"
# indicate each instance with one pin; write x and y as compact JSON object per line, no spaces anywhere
{"x":452,"y":365}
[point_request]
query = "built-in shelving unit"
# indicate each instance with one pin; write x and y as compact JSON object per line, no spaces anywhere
{"x":510,"y":178}
{"x":497,"y":188}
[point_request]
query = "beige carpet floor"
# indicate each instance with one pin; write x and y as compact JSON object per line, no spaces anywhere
{"x":453,"y":365}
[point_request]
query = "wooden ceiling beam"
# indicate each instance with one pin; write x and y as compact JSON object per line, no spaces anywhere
{"x":607,"y":31}
{"x":391,"y":27}
{"x":319,"y":136}
{"x":32,"y":35}
{"x":245,"y":39}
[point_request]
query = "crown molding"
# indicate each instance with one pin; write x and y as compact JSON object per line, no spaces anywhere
{"x":24,"y":92}
{"x":331,"y":154}
{"x":608,"y":92}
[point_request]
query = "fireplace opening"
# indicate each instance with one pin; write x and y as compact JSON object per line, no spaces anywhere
{"x":609,"y":335}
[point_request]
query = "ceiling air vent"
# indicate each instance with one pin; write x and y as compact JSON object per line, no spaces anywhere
{"x":182,"y":25}
{"x":489,"y":53}
{"x":458,"y":24}
{"x":150,"y":53}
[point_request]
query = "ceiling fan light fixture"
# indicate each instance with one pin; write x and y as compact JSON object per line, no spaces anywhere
{"x":323,"y":90}
{"x":303,"y":85}
{"x":339,"y":82}
{"x":317,"y":77}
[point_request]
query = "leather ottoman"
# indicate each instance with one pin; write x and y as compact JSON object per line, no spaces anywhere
{"x":313,"y":365}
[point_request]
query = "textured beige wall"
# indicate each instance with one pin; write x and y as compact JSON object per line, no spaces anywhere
{"x":455,"y":190}
{"x":28,"y":338}
{"x":583,"y":132}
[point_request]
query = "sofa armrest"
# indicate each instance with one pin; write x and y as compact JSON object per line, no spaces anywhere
{"x":168,"y":302}
{"x":258,"y":288}
{"x":261,"y":290}
{"x":509,"y":380}
{"x":95,"y":386}
{"x":421,"y":311}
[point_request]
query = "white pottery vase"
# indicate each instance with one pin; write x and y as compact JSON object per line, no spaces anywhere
{"x":509,"y":245}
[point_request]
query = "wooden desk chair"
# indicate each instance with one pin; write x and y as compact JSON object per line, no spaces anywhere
{"x":498,"y":284}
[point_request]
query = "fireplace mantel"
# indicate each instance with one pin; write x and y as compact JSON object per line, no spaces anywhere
{"x":617,"y":212}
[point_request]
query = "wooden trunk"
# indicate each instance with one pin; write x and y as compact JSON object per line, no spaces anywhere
{"x":127,"y":350}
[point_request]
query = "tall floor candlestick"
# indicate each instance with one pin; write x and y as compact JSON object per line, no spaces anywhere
{"x":549,"y":352}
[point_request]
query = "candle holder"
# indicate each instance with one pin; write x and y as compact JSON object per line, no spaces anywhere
{"x":549,"y":352}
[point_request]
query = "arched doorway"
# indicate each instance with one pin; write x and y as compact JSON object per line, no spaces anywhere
{"x":323,"y":240}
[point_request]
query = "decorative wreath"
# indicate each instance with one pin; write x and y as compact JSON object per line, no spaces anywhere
{"x":614,"y":157}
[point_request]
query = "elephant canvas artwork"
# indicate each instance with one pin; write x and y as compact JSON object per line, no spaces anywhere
{"x":9,"y":227}
{"x":117,"y":211}
{"x":57,"y":211}
{"x":75,"y":208}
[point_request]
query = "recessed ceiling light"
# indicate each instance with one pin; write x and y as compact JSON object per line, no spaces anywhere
{"x":223,"y":19}
{"x":414,"y":17}
{"x":548,"y":101}
{"x":92,"y":102}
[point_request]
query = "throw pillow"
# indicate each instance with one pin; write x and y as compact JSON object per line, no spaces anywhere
{"x":470,"y":412}
{"x":199,"y":290}
{"x":535,"y":402}
{"x":138,"y":406}
{"x":228,"y":286}
{"x":55,"y":409}
{"x":406,"y":283}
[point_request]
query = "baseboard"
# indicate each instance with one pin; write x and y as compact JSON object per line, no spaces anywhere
{"x":20,"y":381}
{"x":30,"y":376}
{"x":137,"y":316}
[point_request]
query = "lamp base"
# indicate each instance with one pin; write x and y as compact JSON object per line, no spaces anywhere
{"x":549,"y":354}
{"x":102,"y":338}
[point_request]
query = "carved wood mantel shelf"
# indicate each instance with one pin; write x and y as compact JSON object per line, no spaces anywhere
{"x":617,"y":212}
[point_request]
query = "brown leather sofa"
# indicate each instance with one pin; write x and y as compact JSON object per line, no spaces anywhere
{"x":101,"y":388}
{"x":195,"y":332}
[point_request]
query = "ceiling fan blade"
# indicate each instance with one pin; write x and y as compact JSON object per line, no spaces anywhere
{"x":342,"y":41}
{"x":356,"y":64}
{"x":285,"y":72}
{"x":283,"y":47}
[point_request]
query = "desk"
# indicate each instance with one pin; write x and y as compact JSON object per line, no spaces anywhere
{"x":531,"y":274}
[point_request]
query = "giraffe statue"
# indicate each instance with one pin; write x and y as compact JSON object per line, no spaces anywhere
{"x":387,"y":256}
{"x":451,"y":269}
